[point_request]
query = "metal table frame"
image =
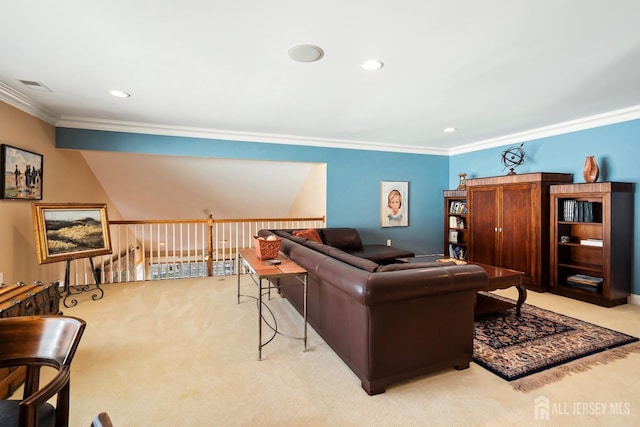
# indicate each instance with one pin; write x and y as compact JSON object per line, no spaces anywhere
{"x":263,"y":273}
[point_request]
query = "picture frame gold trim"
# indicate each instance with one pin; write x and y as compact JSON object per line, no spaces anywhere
{"x":65,"y":231}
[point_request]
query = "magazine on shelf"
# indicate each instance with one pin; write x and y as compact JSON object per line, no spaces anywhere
{"x":584,"y":280}
{"x":591,"y":242}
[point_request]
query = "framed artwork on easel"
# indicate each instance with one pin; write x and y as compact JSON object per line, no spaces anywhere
{"x":70,"y":231}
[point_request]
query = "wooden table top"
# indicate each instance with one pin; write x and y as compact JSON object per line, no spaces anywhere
{"x":496,"y":272}
{"x":499,"y":277}
{"x":264,"y":269}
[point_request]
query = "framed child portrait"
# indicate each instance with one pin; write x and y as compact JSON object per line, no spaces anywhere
{"x":21,"y":177}
{"x":394,"y":204}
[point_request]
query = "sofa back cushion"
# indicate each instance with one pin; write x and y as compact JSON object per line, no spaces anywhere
{"x":332,"y":251}
{"x":346,"y":239}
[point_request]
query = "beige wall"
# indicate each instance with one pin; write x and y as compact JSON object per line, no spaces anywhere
{"x":312,"y":197}
{"x":66,"y":178}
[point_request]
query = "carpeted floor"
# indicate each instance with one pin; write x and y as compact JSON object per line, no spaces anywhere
{"x":183,"y":353}
{"x":515,"y":347}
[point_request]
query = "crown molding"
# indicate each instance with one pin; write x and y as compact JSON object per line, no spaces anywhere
{"x":598,"y":120}
{"x":26,"y":104}
{"x":225,"y":135}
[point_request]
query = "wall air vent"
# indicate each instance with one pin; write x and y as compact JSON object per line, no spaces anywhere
{"x":35,"y":86}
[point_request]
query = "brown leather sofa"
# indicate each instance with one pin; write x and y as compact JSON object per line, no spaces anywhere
{"x":388,"y":321}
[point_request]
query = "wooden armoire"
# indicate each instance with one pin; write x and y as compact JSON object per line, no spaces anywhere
{"x":509,"y":218}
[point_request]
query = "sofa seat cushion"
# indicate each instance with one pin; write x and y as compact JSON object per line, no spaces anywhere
{"x":356,"y":261}
{"x":9,"y":409}
{"x":381,"y":254}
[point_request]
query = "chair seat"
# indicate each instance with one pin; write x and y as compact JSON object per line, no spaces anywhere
{"x":9,"y":414}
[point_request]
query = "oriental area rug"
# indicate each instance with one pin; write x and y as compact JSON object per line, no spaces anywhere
{"x":541,"y":346}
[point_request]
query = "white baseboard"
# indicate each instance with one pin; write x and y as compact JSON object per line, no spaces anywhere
{"x":634,"y":299}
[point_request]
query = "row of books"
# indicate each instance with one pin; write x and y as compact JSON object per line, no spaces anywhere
{"x":583,"y":281}
{"x":459,"y":207}
{"x":580,"y":211}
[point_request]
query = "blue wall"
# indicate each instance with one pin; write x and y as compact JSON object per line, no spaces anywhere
{"x":616,"y":148}
{"x":353,"y":178}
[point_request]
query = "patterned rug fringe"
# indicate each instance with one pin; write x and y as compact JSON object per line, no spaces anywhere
{"x":535,"y":381}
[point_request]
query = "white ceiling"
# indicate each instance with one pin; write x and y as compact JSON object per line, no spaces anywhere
{"x":494,"y":69}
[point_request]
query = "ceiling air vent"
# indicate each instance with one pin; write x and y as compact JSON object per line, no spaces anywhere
{"x":35,"y":86}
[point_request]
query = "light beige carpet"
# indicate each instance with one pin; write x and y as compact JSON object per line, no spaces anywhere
{"x":184,"y":353}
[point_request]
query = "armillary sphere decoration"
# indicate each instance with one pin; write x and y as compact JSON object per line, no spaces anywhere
{"x":513,"y":157}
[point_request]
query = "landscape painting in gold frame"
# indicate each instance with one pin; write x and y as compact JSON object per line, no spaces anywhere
{"x":69,"y":231}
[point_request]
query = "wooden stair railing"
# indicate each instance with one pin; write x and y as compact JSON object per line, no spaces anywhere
{"x":176,"y":249}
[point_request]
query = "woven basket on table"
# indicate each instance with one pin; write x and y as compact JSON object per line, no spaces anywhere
{"x":267,"y":249}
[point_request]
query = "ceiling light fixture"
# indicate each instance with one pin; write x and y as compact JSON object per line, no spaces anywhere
{"x":450,"y":129}
{"x":372,"y":65}
{"x":305,"y":53}
{"x":119,"y":94}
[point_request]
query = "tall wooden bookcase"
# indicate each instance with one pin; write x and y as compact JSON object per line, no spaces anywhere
{"x":456,"y":225}
{"x":509,"y":223}
{"x":592,"y":241}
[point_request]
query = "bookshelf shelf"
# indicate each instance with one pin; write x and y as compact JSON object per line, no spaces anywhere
{"x":584,"y":220}
{"x":456,"y":224}
{"x":581,"y":266}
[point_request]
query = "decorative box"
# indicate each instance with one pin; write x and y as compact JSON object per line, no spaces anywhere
{"x":267,"y":249}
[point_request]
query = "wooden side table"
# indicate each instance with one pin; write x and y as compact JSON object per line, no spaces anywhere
{"x":263,"y":273}
{"x":500,"y":278}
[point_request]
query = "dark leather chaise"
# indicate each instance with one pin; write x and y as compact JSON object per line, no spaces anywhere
{"x":388,"y":321}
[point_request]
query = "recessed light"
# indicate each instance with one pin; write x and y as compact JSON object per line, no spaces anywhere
{"x":119,"y":94}
{"x":305,"y":53}
{"x":372,"y":65}
{"x":450,"y":129}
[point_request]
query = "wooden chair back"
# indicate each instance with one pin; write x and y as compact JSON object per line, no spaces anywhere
{"x":35,"y":342}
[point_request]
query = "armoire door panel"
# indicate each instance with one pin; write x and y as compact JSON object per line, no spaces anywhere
{"x":515,"y":209}
{"x":517,"y":229}
{"x":484,"y":244}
